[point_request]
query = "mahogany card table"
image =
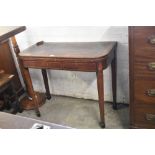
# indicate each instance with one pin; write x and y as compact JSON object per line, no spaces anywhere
{"x":71,"y":56}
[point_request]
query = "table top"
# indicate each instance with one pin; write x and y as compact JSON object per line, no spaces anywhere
{"x":9,"y":121}
{"x":69,"y":50}
{"x":9,"y":31}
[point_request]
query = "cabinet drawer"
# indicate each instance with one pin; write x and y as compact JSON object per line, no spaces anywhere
{"x":144,"y":116}
{"x":144,"y":91}
{"x":144,"y":38}
{"x":144,"y":66}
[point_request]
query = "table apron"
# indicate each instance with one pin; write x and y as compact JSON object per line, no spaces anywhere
{"x":73,"y":66}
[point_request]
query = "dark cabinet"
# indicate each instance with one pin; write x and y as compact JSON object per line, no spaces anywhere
{"x":142,"y":76}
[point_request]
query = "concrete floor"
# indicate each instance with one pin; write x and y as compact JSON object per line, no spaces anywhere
{"x":80,"y":113}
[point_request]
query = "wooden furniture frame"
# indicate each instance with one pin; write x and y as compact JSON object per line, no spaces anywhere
{"x":7,"y":62}
{"x":142,"y":76}
{"x":7,"y":40}
{"x":86,"y":57}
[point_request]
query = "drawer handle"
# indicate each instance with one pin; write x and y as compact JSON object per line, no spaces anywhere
{"x":152,"y":39}
{"x":150,"y":117}
{"x":151,"y":92}
{"x":151,"y":65}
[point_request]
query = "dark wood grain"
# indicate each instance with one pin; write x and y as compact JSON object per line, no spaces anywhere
{"x":142,"y":78}
{"x":141,"y":88}
{"x":141,"y":67}
{"x":140,"y":115}
{"x":84,"y":50}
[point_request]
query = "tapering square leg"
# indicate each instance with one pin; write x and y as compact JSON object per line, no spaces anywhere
{"x":45,"y":78}
{"x":114,"y":81}
{"x":100,"y":86}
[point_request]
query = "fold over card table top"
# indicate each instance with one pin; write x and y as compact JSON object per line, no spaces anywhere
{"x":69,"y":49}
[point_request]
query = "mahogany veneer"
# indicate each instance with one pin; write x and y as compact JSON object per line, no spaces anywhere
{"x":142,"y":76}
{"x":83,"y":56}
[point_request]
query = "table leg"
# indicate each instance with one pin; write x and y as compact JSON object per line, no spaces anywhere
{"x":45,"y":78}
{"x":31,"y":91}
{"x":100,"y":93}
{"x":114,"y":82}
